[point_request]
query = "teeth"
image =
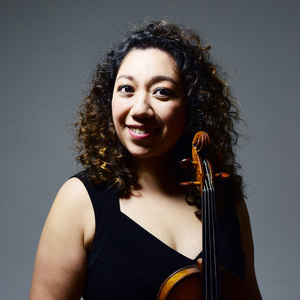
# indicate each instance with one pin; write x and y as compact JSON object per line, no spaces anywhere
{"x":138,"y":130}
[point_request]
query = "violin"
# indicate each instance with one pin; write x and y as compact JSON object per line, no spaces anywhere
{"x":204,"y":280}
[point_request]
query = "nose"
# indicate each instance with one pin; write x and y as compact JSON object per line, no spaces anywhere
{"x":141,"y":107}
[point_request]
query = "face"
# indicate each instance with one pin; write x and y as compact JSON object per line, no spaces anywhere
{"x":148,"y":106}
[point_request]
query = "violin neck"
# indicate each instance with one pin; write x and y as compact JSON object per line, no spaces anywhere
{"x":210,"y":266}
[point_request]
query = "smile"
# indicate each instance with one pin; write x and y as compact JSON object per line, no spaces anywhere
{"x":140,"y":132}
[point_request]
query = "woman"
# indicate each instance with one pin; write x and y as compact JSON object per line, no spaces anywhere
{"x":120,"y":228}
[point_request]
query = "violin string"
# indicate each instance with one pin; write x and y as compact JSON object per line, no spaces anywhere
{"x":207,"y":171}
{"x":209,"y":267}
{"x":205,"y":262}
{"x":211,"y":232}
{"x":211,"y":288}
{"x":208,"y":260}
{"x":210,"y":239}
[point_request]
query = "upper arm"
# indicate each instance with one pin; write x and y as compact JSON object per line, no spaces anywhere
{"x":61,"y":260}
{"x":247,"y":245}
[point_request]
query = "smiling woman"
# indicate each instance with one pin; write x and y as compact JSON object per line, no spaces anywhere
{"x":119,"y":228}
{"x":148,"y":105}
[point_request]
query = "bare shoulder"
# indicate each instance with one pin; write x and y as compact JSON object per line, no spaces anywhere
{"x":72,"y":206}
{"x":247,"y":244}
{"x":73,"y":193}
{"x":61,"y":259}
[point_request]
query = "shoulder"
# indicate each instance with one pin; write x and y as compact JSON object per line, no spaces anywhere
{"x":73,"y":191}
{"x":72,"y":209}
{"x":69,"y":228}
{"x":94,"y":189}
{"x":72,"y":196}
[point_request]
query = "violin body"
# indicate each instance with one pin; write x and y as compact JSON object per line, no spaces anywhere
{"x":186,"y":284}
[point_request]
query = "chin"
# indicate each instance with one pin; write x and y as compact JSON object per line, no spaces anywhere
{"x":142,"y":155}
{"x":149,"y":155}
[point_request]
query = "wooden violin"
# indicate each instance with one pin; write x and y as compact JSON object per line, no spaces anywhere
{"x":204,"y":280}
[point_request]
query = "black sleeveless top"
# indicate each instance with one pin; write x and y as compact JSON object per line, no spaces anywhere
{"x":128,"y":262}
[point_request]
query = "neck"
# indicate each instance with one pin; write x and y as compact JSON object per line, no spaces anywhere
{"x":158,"y":175}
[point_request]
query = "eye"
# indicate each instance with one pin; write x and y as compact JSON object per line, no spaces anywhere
{"x":163,"y":93}
{"x":126,"y":89}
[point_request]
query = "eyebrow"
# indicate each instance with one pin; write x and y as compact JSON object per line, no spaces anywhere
{"x":153,"y":80}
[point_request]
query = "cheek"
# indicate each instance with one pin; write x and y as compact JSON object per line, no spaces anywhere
{"x":176,"y":119}
{"x":113,"y":111}
{"x":119,"y":111}
{"x":116,"y":110}
{"x":116,"y":119}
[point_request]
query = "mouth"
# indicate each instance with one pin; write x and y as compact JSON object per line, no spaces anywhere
{"x":140,"y":132}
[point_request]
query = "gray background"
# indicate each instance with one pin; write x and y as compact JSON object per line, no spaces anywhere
{"x":48,"y":51}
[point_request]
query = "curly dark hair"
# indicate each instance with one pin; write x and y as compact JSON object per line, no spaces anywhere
{"x":210,"y":106}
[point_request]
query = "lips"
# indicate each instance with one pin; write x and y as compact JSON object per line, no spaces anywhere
{"x":140,"y":132}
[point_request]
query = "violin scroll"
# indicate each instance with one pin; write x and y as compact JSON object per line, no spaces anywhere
{"x":200,"y":149}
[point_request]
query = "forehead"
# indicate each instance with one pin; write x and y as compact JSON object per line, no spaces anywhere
{"x":149,"y":60}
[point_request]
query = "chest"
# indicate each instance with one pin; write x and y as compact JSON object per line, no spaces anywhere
{"x":128,"y":261}
{"x":175,"y":224}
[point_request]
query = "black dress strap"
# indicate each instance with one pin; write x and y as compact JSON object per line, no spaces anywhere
{"x":106,"y":208}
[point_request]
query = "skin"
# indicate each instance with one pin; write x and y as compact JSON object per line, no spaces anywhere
{"x":148,"y":112}
{"x":60,"y":266}
{"x":148,"y":106}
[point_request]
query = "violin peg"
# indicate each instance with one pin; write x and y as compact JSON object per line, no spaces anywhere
{"x":187,"y":183}
{"x":197,"y":183}
{"x":185,"y":163}
{"x":222,"y":175}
